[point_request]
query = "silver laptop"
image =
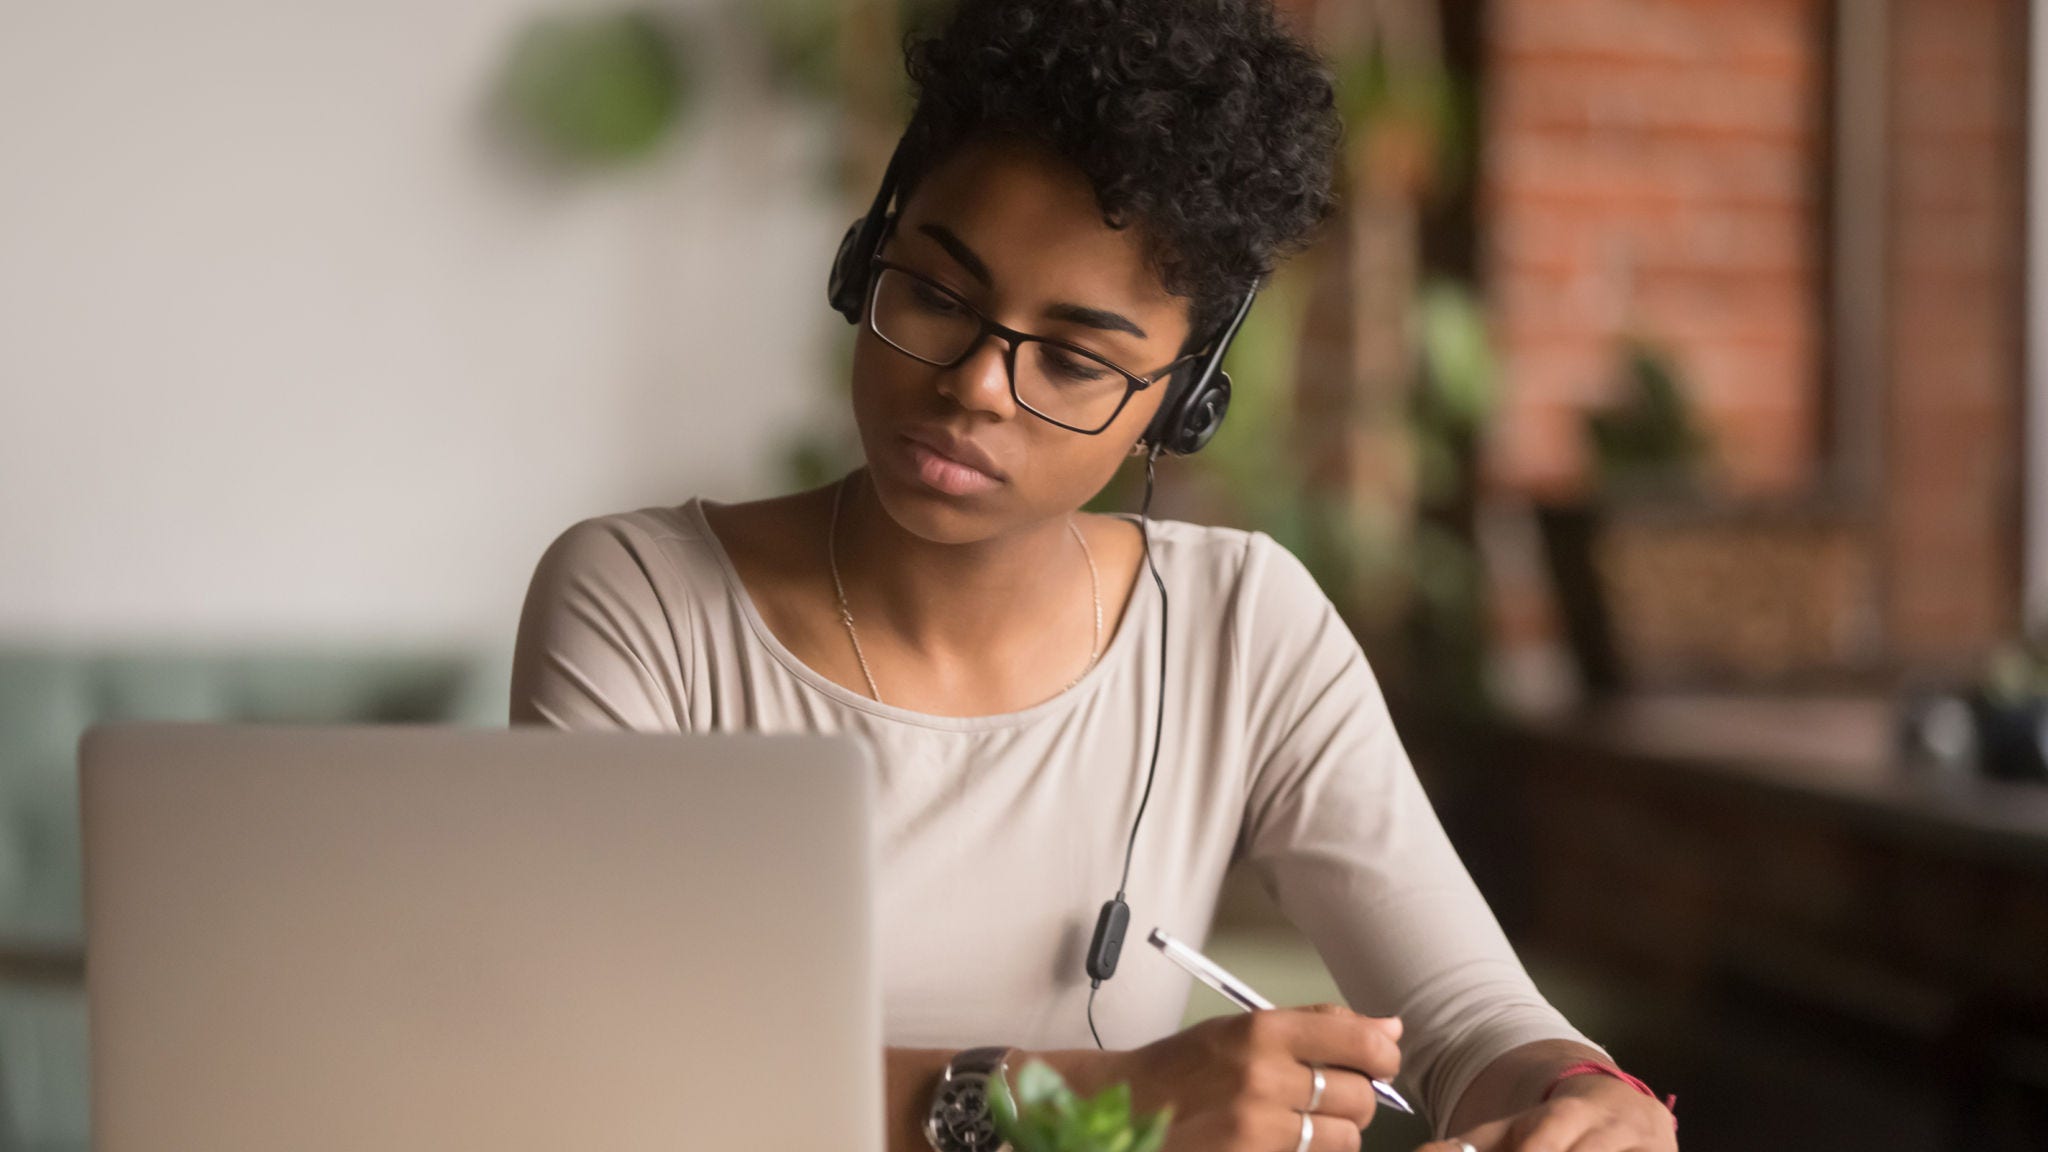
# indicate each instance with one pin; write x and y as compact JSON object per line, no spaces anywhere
{"x":382,"y":939}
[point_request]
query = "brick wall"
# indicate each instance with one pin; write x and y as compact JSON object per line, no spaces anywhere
{"x":1660,"y":166}
{"x":1653,"y":166}
{"x":1951,"y":508}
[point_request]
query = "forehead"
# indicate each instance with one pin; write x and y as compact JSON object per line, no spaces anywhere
{"x":1034,"y":219}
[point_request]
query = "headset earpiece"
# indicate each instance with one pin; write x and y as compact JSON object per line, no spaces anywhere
{"x":1189,"y":418}
{"x":849,"y":274}
{"x":1201,"y":415}
{"x":847,"y":287}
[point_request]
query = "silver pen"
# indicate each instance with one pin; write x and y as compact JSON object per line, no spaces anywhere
{"x":1240,"y":993}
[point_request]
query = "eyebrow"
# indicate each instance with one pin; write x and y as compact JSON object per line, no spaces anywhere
{"x":1081,"y":314}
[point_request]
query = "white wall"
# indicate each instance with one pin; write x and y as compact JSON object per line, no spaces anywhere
{"x":292,"y":347}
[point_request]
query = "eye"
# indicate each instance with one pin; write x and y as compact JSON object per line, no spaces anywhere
{"x":1074,"y":369}
{"x":932,"y":300}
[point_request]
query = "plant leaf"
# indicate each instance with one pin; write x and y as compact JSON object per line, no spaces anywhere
{"x":1153,"y":1134}
{"x":1045,"y":1115}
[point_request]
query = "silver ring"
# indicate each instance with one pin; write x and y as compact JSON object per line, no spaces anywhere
{"x":1317,"y":1087}
{"x":1308,"y":1132}
{"x":1464,"y":1146}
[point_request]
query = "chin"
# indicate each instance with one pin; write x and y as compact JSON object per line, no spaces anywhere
{"x":935,"y":516}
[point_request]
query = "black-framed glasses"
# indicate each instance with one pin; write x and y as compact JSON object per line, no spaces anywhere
{"x":1057,"y":382}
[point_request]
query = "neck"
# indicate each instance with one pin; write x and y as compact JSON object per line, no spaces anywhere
{"x":948,"y":598}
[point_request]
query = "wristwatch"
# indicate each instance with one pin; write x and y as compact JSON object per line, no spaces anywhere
{"x":960,"y":1120}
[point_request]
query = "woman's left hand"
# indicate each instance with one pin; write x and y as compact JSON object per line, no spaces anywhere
{"x":1585,"y":1114}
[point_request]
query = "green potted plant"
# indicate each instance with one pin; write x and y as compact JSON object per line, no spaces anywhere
{"x":1647,"y":441}
{"x":1047,"y":1116}
{"x":2009,"y":707}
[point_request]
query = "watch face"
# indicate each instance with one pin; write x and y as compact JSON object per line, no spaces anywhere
{"x":962,"y":1113}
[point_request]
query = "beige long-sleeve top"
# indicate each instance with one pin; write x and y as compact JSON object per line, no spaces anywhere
{"x":1001,"y":836}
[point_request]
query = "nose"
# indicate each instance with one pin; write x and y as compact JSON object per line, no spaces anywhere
{"x":981,"y":382}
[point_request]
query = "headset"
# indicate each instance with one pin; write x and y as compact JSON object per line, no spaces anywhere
{"x":1188,"y":419}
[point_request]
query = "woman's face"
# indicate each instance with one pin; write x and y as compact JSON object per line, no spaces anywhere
{"x":1015,"y":232}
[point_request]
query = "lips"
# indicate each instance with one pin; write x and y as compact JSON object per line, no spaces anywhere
{"x":956,"y":450}
{"x":949,"y":465}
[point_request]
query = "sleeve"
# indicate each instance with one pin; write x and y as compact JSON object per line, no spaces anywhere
{"x":1339,"y":832}
{"x":598,"y":648}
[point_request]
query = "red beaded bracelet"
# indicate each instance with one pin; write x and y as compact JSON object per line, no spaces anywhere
{"x":1594,"y":1067}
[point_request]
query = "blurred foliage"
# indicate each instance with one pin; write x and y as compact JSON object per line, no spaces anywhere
{"x":1455,"y":401}
{"x":812,"y":461}
{"x":1255,"y":468}
{"x":804,"y":41}
{"x":1649,"y":439}
{"x":1459,"y":376}
{"x":803,"y":44}
{"x":1422,"y":118}
{"x":597,"y":87}
{"x":1249,"y":456}
{"x":1047,"y":1116}
{"x":1256,"y":462}
{"x":2016,"y":672}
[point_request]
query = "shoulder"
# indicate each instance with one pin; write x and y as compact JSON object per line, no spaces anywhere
{"x":1229,"y":566}
{"x":641,"y":557}
{"x":602,"y":643}
{"x":643,"y":528}
{"x":1269,"y":614}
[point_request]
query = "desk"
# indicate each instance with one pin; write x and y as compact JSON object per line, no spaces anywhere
{"x":1701,"y":833}
{"x":1782,"y":845}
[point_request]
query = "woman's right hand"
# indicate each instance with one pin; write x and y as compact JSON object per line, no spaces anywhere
{"x":1239,"y":1083}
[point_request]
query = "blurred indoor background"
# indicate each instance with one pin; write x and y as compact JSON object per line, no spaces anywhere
{"x":1666,"y":410}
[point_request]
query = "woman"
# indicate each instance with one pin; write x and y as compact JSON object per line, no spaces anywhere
{"x":1087,"y":194}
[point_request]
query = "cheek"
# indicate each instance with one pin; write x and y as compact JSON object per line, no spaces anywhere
{"x":872,"y":369}
{"x":1067,"y":469}
{"x":884,"y":384}
{"x":1137,"y":415}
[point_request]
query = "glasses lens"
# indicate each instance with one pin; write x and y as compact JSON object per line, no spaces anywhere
{"x":1062,"y":384}
{"x":921,"y":319}
{"x":1069,"y":385}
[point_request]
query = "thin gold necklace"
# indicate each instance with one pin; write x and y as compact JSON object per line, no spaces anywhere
{"x":846,"y":614}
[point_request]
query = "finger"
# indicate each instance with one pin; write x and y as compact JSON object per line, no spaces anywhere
{"x":1346,"y":1094}
{"x":1605,"y":1131}
{"x":1390,"y":1024}
{"x":1265,"y":1127}
{"x":1489,"y":1137}
{"x":1360,"y":1043}
{"x":1603,"y":1138}
{"x":1326,"y":1134}
{"x":1552,"y":1127}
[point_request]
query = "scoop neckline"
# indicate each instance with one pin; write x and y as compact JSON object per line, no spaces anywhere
{"x":1061,"y":701}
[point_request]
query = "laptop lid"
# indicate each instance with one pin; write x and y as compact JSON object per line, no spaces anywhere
{"x":365,"y":938}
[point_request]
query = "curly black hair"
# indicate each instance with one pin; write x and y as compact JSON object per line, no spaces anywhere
{"x":1202,"y":122}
